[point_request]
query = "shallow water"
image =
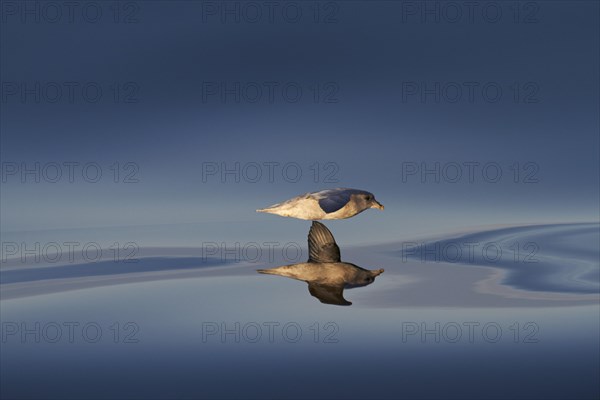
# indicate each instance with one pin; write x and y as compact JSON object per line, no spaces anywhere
{"x":192,"y":327}
{"x":551,"y":258}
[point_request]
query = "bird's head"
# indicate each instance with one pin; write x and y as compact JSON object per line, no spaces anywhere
{"x":368,"y":200}
{"x":370,"y":276}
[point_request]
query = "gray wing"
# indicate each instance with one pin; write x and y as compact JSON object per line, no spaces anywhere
{"x":328,"y":294}
{"x":333,"y":200}
{"x":321,"y":245}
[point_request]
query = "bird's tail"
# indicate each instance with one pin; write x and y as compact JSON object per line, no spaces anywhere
{"x":266,"y":271}
{"x":290,"y":271}
{"x":269,"y":209}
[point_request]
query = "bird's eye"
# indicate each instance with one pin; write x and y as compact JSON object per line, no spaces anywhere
{"x":368,"y":197}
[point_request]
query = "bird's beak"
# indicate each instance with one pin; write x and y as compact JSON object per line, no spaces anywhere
{"x":378,"y":272}
{"x":377,"y":205}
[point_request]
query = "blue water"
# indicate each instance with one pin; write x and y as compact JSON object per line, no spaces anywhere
{"x":554,"y":258}
{"x":220,"y":330}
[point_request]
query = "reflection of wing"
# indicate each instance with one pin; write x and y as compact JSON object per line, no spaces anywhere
{"x":328,"y":294}
{"x":321,"y":245}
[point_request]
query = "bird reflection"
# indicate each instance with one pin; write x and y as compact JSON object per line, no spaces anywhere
{"x":327,"y":276}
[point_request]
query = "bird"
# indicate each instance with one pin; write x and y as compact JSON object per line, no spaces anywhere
{"x":327,"y":276}
{"x":340,"y":203}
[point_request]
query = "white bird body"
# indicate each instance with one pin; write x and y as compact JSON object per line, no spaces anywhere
{"x":327,"y":204}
